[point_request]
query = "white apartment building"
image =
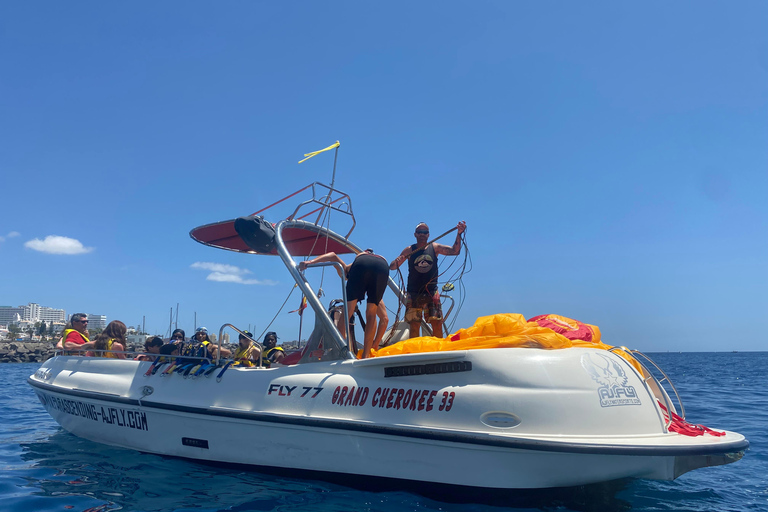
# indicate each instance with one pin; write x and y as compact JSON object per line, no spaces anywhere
{"x":37,"y":313}
{"x":97,"y":322}
{"x":10,"y":315}
{"x":33,"y":313}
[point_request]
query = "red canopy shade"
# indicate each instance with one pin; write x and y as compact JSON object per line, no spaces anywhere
{"x":300,"y":242}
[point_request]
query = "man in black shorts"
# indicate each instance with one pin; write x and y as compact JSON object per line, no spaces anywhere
{"x":367,"y":275}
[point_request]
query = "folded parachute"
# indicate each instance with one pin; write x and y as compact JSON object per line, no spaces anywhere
{"x":510,"y":330}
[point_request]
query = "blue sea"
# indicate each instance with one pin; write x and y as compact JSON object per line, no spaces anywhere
{"x":44,"y":468}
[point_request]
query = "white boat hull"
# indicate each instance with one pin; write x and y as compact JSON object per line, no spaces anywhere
{"x":496,"y":418}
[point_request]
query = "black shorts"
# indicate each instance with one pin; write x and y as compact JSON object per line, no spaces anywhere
{"x":367,"y":275}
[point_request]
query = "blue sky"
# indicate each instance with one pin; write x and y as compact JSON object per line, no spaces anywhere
{"x":610,"y":159}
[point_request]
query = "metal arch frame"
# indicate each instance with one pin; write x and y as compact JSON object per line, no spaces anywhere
{"x":301,"y":281}
{"x":324,"y":202}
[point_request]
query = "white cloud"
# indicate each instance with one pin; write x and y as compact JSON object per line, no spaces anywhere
{"x":54,"y":244}
{"x":12,"y":234}
{"x":224,"y":273}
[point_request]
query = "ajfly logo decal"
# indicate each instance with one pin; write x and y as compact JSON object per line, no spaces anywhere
{"x":612,"y":378}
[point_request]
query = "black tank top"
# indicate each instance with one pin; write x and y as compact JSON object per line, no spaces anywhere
{"x":422,"y":270}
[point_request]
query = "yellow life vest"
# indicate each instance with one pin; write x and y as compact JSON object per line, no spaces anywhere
{"x":64,"y":339}
{"x":269,"y":353}
{"x":112,"y":355}
{"x":66,"y":333}
{"x":241,"y":355}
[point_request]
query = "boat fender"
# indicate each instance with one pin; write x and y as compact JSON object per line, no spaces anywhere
{"x":218,"y":377}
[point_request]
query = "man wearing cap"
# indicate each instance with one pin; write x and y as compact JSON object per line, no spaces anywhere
{"x":422,"y":295}
{"x":272,"y":353}
{"x":247,"y":353}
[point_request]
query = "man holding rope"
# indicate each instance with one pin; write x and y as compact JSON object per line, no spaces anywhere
{"x":421,"y":292}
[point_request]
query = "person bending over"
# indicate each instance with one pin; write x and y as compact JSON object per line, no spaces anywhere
{"x":366,"y":276}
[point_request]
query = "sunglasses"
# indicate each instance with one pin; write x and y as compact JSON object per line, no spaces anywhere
{"x":82,"y":321}
{"x":177,"y":337}
{"x":421,"y":232}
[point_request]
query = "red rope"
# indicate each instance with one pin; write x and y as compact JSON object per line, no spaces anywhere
{"x":681,"y":426}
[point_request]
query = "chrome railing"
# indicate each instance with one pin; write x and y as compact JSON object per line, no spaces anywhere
{"x":241,"y":333}
{"x":657,"y":388}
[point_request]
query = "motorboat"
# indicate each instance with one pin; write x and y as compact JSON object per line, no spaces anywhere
{"x":503,"y":416}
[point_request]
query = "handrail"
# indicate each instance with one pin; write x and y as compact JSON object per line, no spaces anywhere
{"x":82,"y":353}
{"x":666,"y":377}
{"x":340,"y":269}
{"x":659,"y":383}
{"x":242,"y":333}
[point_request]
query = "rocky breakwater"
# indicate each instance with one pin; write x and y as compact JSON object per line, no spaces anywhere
{"x":25,"y":351}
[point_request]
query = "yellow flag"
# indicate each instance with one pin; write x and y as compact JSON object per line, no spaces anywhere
{"x":310,"y":155}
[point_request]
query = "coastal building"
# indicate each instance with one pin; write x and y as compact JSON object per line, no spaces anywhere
{"x":36,"y":313}
{"x":97,"y":322}
{"x":136,"y":340}
{"x":10,"y":315}
{"x":31,"y":313}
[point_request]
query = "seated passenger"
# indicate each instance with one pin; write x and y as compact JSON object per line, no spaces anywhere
{"x":111,"y":342}
{"x":75,"y":335}
{"x":152,"y":346}
{"x":169,"y":349}
{"x":272,"y":353}
{"x":204,"y":347}
{"x":247,"y":353}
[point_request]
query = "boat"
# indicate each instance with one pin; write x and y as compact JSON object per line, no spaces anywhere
{"x":511,"y":417}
